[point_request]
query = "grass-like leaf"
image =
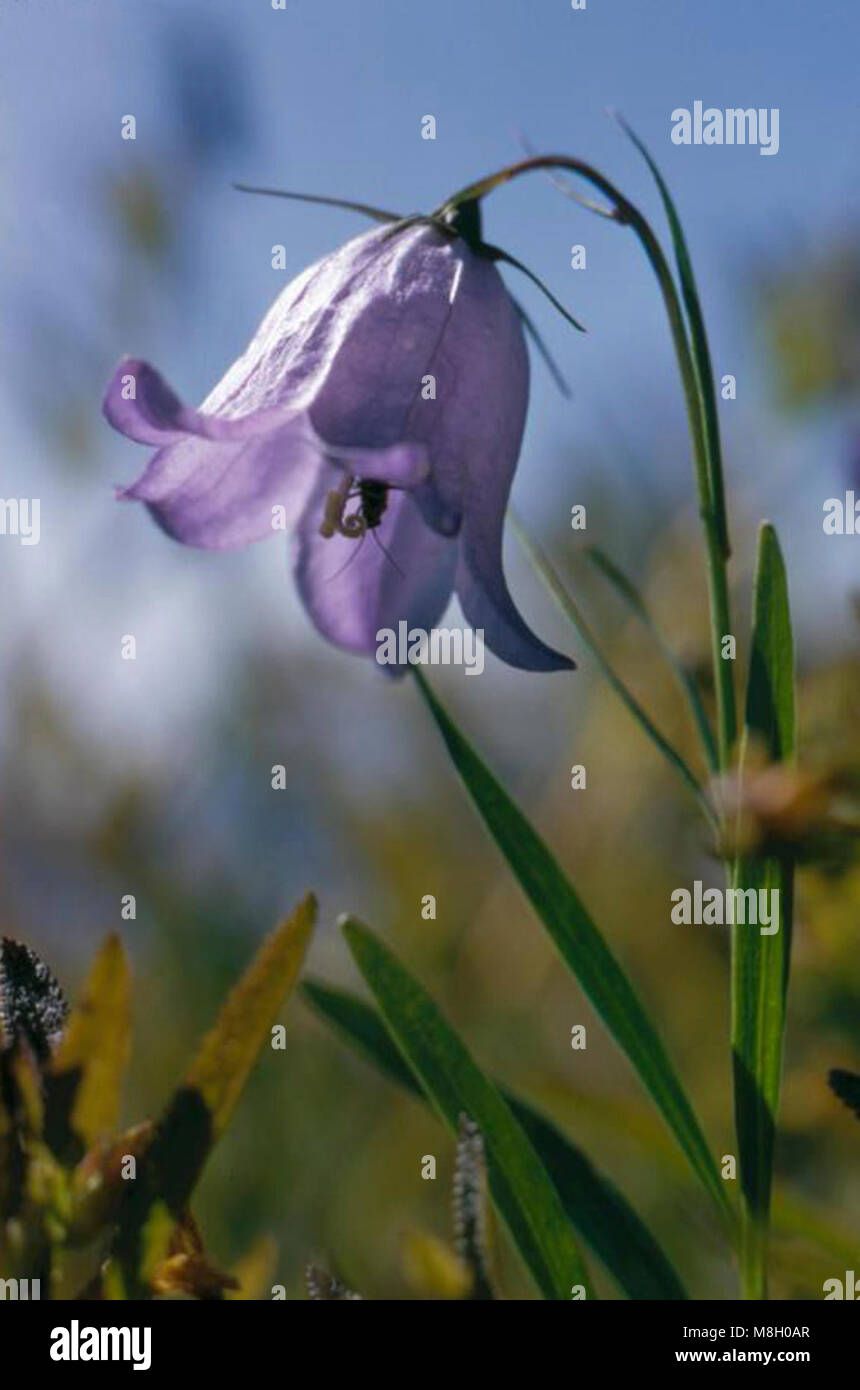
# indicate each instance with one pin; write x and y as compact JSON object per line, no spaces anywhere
{"x":521,"y":1188}
{"x":599,"y":1212}
{"x":227,"y":1055}
{"x":694,"y":361}
{"x":580,"y":944}
{"x":760,"y":963}
{"x":84,"y":1082}
{"x":201,"y":1108}
{"x":699,"y":344}
{"x":685,"y":679}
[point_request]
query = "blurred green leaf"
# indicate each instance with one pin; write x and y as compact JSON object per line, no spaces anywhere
{"x":255,"y":1271}
{"x":761,"y":962}
{"x":795,"y":1216}
{"x":434,"y":1270}
{"x":97,"y":1186}
{"x":85,"y":1076}
{"x":228,"y":1053}
{"x":156,"y":1235}
{"x":362,"y":1027}
{"x":595,"y":1207}
{"x":770,"y":714}
{"x":201,"y":1108}
{"x":521,"y":1188}
{"x":581,"y":946}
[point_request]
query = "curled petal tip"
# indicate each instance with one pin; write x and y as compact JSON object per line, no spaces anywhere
{"x":328,"y":402}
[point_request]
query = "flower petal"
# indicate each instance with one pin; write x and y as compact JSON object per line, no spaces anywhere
{"x":474,"y":444}
{"x":154,"y":414}
{"x":216,"y":480}
{"x":141,"y":405}
{"x":222,"y":493}
{"x":480,"y":371}
{"x":401,"y":465}
{"x":382,"y":339}
{"x":290,"y":355}
{"x":487,"y":605}
{"x":353,"y":588}
{"x":282,"y":367}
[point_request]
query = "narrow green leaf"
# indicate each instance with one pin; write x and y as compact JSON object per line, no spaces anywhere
{"x":520,"y":1186}
{"x":202,"y":1106}
{"x":228,"y":1053}
{"x":699,"y":342}
{"x":496,"y":254}
{"x":760,"y":963}
{"x":596,"y":1208}
{"x":684,"y":678}
{"x":770,"y":713}
{"x":580,"y":944}
{"x":84,"y":1082}
{"x":362,"y":1027}
{"x":569,"y":607}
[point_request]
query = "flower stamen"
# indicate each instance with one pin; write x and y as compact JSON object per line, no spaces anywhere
{"x":334,"y":522}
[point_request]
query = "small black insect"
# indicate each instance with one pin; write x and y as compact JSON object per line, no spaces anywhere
{"x":373,"y":501}
{"x":372,"y":495}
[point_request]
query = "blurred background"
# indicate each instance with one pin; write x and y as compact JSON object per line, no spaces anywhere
{"x":152,"y":777}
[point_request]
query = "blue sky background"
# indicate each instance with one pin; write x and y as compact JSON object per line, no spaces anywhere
{"x":328,"y":97}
